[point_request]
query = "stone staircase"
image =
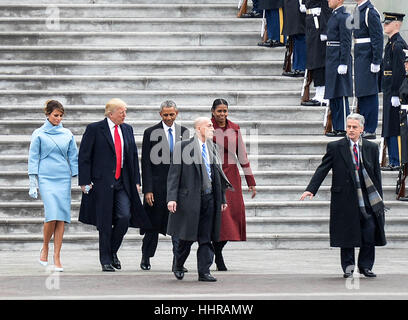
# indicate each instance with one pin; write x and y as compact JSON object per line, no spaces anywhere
{"x":83,"y":53}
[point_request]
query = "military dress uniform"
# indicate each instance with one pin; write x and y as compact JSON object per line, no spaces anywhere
{"x":368,"y":51}
{"x":393,"y":76}
{"x":274,"y":22}
{"x":339,"y":81}
{"x":317,"y":15}
{"x":403,"y":141}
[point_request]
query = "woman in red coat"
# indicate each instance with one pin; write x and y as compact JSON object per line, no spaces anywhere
{"x":228,"y":137}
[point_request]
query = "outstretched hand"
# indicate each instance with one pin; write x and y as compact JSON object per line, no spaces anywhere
{"x":307,"y":194}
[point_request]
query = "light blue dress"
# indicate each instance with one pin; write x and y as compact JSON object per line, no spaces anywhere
{"x":53,"y":156}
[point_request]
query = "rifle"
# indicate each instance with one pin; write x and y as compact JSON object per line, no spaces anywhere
{"x":287,"y":64}
{"x":242,"y":6}
{"x":402,"y":175}
{"x":305,"y":95}
{"x":327,"y":121}
{"x":383,"y":152}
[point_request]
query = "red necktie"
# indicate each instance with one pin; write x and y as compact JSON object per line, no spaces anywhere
{"x":356,"y":156}
{"x":118,"y":150}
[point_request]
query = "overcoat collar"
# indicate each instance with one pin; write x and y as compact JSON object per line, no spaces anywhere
{"x":107,"y":133}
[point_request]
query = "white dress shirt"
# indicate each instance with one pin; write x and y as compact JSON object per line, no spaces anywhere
{"x":173,"y":132}
{"x":112,"y":125}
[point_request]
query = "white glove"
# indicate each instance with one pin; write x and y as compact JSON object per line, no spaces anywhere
{"x":33,"y":193}
{"x":395,"y":101}
{"x":342,"y":69}
{"x":375,"y":68}
{"x":302,"y":8}
{"x":323,"y":37}
{"x":33,"y":186}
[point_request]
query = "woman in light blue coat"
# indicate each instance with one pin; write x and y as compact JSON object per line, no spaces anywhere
{"x":52,"y":161}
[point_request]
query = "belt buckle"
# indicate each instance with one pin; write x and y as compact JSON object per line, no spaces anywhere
{"x":387,"y":73}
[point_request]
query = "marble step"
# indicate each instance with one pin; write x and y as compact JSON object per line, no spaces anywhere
{"x":137,"y":53}
{"x":254,"y":208}
{"x":113,"y":10}
{"x":262,"y":178}
{"x":159,"y":82}
{"x":255,"y":144}
{"x":124,"y":39}
{"x":138,"y":68}
{"x":264,"y":193}
{"x":30,"y":226}
{"x":141,"y":24}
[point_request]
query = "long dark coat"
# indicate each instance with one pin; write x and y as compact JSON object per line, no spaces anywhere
{"x":97,"y":163}
{"x":270,"y":4}
{"x":184,"y":186}
{"x":366,"y":82}
{"x":338,"y":85}
{"x":315,"y":48}
{"x":394,"y":57}
{"x":293,"y":19}
{"x":345,"y":230}
{"x":155,"y":166}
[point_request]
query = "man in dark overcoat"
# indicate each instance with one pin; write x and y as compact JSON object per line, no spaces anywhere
{"x":368,"y":50}
{"x":109,"y":178}
{"x":356,"y":206}
{"x":393,"y":76}
{"x":339,"y":78}
{"x":196,"y":188}
{"x":317,"y":15}
{"x":157,"y":149}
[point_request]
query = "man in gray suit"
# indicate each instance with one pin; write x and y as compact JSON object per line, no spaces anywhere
{"x":196,"y":188}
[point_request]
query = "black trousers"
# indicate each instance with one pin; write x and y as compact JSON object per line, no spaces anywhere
{"x":366,"y":255}
{"x":150,"y":241}
{"x":110,"y":240}
{"x":205,"y":251}
{"x":319,"y":77}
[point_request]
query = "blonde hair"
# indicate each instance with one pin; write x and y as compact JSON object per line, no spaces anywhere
{"x":113,"y":104}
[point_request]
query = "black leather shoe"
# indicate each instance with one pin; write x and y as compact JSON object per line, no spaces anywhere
{"x":145,"y":263}
{"x":115,"y":262}
{"x":206,"y":277}
{"x":336,"y":133}
{"x":402,"y":199}
{"x":252,"y":14}
{"x":348,"y":274}
{"x":267,"y":43}
{"x":108,"y":268}
{"x":313,"y":103}
{"x":368,"y":273}
{"x":390,"y":167}
{"x":179,"y":274}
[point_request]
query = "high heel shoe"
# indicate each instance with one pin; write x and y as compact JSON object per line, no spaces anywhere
{"x":58,"y":269}
{"x":43,"y":263}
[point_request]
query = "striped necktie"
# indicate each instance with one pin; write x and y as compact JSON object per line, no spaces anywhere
{"x":356,"y":156}
{"x":206,"y":162}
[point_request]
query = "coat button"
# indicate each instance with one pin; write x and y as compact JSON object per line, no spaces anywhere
{"x":111,"y":185}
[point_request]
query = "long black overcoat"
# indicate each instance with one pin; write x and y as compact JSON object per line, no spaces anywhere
{"x":184,"y":186}
{"x":97,"y":163}
{"x":345,"y":230}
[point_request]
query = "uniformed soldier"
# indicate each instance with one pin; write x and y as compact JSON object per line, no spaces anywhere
{"x":339,"y":81}
{"x":294,"y":29}
{"x":317,"y":15}
{"x":394,"y":73}
{"x":274,"y":22}
{"x":368,"y":50}
{"x":403,"y":141}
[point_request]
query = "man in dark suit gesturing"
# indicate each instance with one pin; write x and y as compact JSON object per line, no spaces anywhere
{"x":356,"y":208}
{"x":157,"y":149}
{"x":109,"y":178}
{"x":196,"y":188}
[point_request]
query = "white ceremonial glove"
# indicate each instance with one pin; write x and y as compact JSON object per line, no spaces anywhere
{"x":33,"y":193}
{"x":302,"y":8}
{"x":395,"y":101}
{"x":342,"y":69}
{"x":375,"y":68}
{"x":323,"y":37}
